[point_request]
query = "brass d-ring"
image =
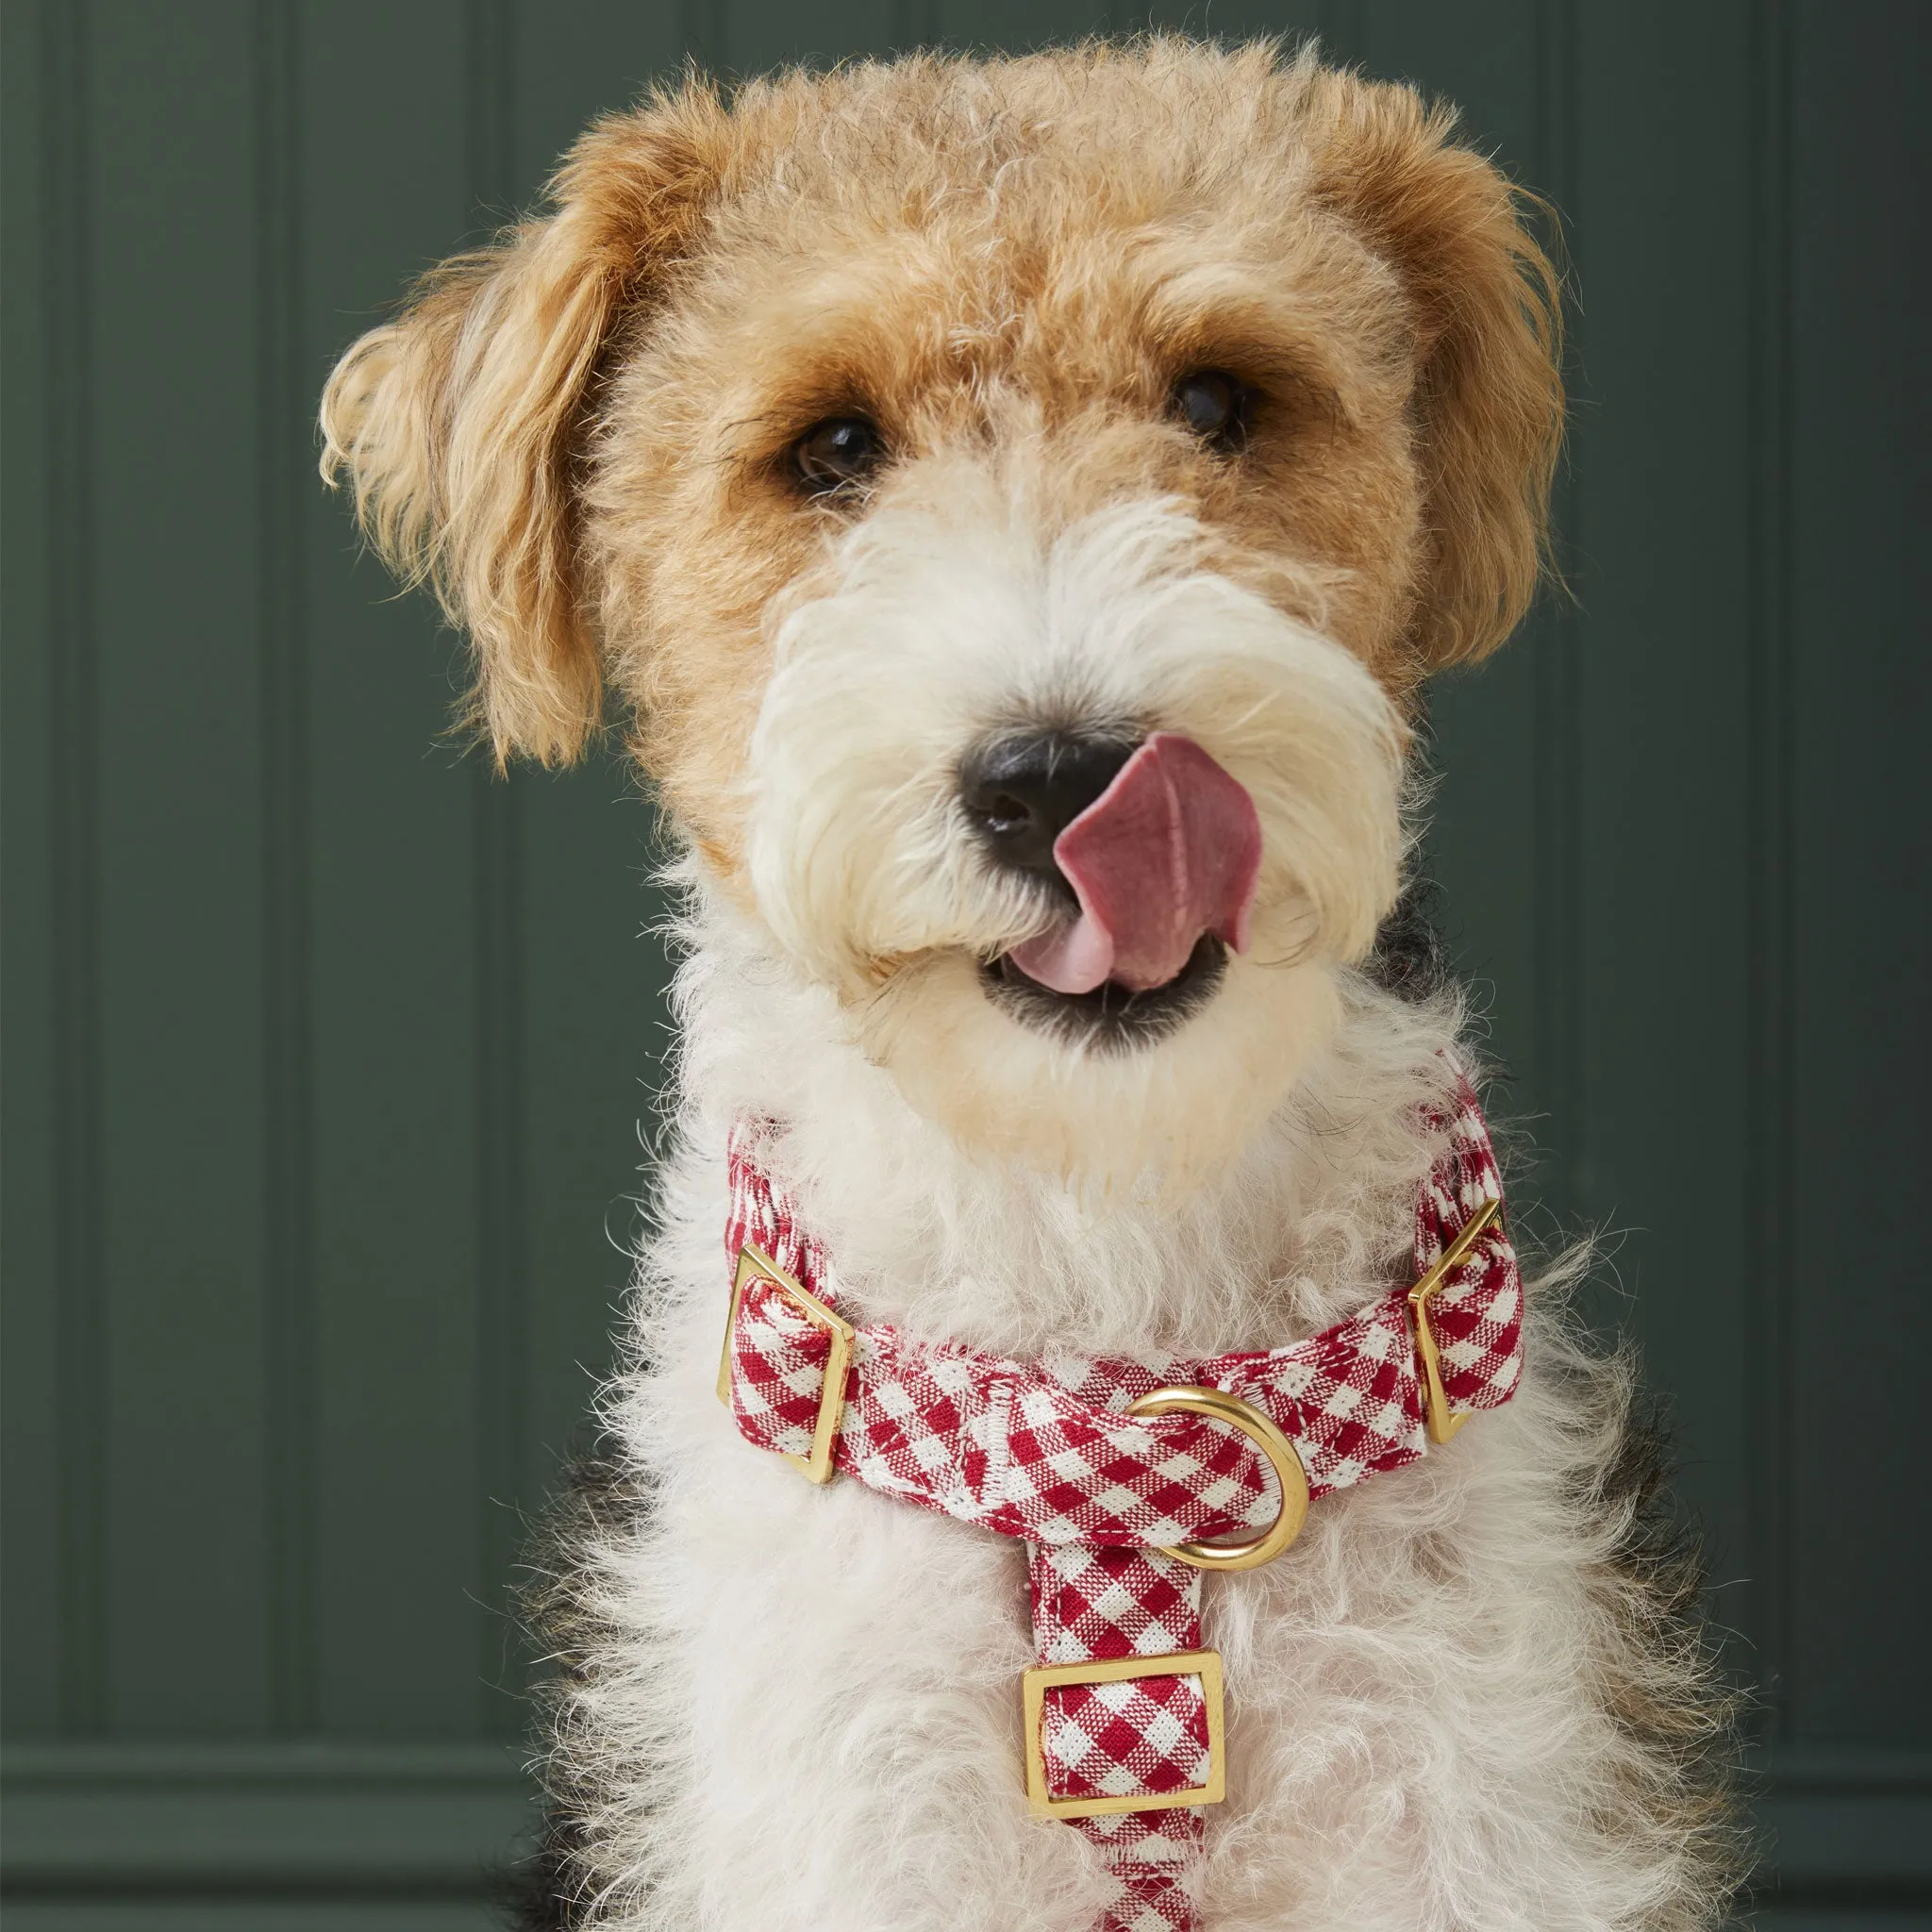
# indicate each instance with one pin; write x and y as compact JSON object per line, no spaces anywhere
{"x":1218,"y":1405}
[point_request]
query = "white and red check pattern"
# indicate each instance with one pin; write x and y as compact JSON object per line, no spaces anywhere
{"x":1042,"y":1451}
{"x":1145,"y":1735}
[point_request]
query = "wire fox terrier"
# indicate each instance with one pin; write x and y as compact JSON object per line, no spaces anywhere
{"x":1018,"y":503}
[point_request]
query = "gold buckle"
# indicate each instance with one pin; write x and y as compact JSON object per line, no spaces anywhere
{"x":1222,"y":1407}
{"x":825,"y":1436}
{"x":1040,"y":1678}
{"x":1442,"y":1424}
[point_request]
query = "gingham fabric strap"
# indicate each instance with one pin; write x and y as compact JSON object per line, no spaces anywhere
{"x":1042,"y":1451}
{"x":1143,"y":1736}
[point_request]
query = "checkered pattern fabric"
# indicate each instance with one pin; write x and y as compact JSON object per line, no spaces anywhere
{"x":1145,"y":1734}
{"x":1153,"y":1857}
{"x":1042,"y":1451}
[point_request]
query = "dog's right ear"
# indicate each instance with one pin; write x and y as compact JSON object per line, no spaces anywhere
{"x":461,"y":425}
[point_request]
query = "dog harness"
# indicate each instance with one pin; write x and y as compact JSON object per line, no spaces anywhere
{"x":1125,"y":1477}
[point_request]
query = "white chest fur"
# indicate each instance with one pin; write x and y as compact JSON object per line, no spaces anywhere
{"x":804,"y":1708}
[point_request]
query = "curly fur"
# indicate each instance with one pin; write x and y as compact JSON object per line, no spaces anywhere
{"x":1478,"y":1696}
{"x":1473,"y":1695}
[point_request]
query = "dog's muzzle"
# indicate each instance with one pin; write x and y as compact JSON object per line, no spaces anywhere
{"x":1146,"y":855}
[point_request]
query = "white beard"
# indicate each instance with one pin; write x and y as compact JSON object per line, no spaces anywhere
{"x":936,"y":623}
{"x":798,"y":1707}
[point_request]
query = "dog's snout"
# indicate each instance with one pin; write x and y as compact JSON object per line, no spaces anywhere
{"x":1021,"y":792}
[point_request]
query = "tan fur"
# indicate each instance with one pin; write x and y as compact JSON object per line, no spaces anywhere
{"x":1489,"y":386}
{"x":462,"y":424}
{"x":578,"y":434}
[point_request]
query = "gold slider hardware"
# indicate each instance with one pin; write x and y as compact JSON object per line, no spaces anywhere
{"x":1220,"y":1405}
{"x":825,"y":1436}
{"x":1040,"y":1678}
{"x":1442,"y":1424}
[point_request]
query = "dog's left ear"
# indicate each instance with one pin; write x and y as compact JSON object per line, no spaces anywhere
{"x":461,"y":424}
{"x":1488,"y":311}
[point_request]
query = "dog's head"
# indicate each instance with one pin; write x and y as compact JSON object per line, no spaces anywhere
{"x":1017,"y":501}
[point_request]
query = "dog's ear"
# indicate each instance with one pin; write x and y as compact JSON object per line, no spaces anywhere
{"x":461,"y":424}
{"x":1488,"y":311}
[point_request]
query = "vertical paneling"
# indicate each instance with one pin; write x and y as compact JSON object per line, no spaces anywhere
{"x":1862,"y":915}
{"x":283,"y":487}
{"x":34,"y":129}
{"x":1763,"y":1597}
{"x":595,"y":1037}
{"x":1665,"y":581}
{"x":177,"y":710}
{"x":74,"y":846}
{"x":395,"y":866}
{"x":332,"y":1055}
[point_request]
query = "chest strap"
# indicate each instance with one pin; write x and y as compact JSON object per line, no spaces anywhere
{"x":1125,"y":1477}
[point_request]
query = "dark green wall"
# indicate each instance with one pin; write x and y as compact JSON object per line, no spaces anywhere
{"x":328,"y":1059}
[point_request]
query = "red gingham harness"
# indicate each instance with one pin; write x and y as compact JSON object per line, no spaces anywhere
{"x":1044,"y":1451}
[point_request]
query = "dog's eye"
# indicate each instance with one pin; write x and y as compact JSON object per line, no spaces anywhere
{"x":840,"y":451}
{"x":1214,"y":405}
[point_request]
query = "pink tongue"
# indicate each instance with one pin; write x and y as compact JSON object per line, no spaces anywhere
{"x":1169,"y":850}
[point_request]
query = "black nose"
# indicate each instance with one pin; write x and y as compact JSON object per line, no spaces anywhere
{"x":1021,"y":792}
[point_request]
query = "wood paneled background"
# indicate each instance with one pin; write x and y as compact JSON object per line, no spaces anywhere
{"x":330,"y":1061}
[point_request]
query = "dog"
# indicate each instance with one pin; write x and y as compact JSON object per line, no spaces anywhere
{"x":1018,"y":503}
